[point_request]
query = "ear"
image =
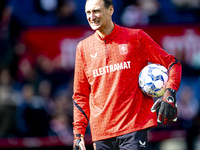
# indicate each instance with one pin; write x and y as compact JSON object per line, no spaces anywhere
{"x":111,"y":8}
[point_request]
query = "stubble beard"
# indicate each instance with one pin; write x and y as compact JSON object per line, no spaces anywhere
{"x":95,"y":27}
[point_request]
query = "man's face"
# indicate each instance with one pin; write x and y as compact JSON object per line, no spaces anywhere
{"x":97,"y":15}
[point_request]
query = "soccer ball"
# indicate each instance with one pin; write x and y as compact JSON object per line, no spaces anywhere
{"x":153,"y":80}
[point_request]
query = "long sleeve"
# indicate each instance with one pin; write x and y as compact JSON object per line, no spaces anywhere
{"x":81,"y":95}
{"x":155,"y":54}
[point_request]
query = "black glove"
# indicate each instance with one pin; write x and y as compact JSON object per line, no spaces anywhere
{"x":79,"y":143}
{"x":168,"y":107}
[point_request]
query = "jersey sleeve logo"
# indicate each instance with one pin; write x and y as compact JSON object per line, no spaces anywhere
{"x":123,"y":49}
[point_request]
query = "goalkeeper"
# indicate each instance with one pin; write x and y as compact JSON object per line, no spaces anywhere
{"x":106,"y":91}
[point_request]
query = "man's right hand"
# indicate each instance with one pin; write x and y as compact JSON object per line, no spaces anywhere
{"x":79,"y":143}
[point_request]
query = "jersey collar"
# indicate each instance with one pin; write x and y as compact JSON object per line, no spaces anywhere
{"x":111,"y":36}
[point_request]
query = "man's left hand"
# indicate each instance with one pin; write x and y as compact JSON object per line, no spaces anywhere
{"x":168,"y":107}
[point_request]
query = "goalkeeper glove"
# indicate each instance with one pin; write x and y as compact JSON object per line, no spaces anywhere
{"x":79,"y":143}
{"x":168,"y":107}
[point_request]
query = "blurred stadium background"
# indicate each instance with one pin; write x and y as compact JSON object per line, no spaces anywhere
{"x":38,"y":40}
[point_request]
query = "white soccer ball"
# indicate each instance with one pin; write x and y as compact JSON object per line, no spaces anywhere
{"x":153,"y":80}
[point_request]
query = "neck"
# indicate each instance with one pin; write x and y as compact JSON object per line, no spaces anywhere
{"x":106,"y":31}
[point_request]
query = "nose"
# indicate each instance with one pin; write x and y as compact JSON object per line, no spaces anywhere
{"x":92,"y":16}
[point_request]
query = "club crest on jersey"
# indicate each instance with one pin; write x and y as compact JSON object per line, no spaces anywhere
{"x":123,"y":49}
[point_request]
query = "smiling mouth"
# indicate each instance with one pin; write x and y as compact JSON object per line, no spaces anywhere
{"x":95,"y":22}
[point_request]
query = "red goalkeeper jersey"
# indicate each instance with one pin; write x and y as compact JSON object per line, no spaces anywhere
{"x":106,"y":90}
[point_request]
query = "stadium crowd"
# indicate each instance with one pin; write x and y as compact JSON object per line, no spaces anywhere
{"x":36,"y":101}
